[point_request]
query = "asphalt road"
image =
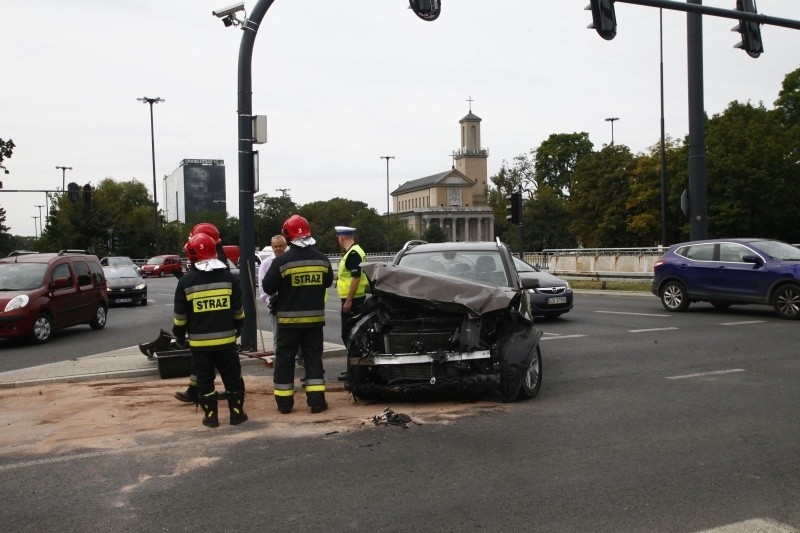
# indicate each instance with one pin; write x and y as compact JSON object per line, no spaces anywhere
{"x":646,"y":421}
{"x":130,"y":326}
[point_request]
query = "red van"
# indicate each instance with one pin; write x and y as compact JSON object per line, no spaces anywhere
{"x":44,"y":292}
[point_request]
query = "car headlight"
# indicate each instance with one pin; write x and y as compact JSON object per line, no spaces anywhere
{"x":140,"y":287}
{"x":17,"y":302}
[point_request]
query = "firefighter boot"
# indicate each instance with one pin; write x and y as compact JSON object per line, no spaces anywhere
{"x":316,"y":401}
{"x":191,"y":394}
{"x":209,"y":404}
{"x":236,"y":407}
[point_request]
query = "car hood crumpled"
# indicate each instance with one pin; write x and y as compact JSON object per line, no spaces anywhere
{"x":437,"y":290}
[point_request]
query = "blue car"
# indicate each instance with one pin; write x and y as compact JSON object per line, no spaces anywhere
{"x":724,"y":272}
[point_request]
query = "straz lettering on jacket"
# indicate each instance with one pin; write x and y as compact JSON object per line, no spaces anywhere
{"x":305,"y":275}
{"x":210,"y":298}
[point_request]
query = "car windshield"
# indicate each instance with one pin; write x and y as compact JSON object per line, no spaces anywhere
{"x":481,"y":266}
{"x":522,"y":266}
{"x":155,"y":261}
{"x":119,"y":261}
{"x":21,"y":276}
{"x":778,"y":250}
{"x":120,"y":272}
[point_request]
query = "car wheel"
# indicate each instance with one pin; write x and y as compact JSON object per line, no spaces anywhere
{"x":533,"y":377}
{"x":42,"y":328}
{"x":143,"y":301}
{"x":786,"y":302}
{"x":673,"y":297}
{"x":160,"y":273}
{"x":100,"y":316}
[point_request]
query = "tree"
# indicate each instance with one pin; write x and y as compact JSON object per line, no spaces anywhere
{"x":546,"y":221}
{"x":270,"y":214}
{"x":434,"y":233}
{"x":753,"y":187}
{"x":6,"y":149}
{"x":556,"y":157}
{"x":600,"y":191}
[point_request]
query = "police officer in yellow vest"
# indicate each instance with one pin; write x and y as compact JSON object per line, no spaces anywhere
{"x":352,"y":282}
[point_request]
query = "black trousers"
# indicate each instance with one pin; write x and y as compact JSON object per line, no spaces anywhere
{"x":225,"y":361}
{"x":310,"y":341}
{"x":347,"y":322}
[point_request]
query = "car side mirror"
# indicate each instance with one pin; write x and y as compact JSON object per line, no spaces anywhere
{"x":60,"y":283}
{"x":751,"y":258}
{"x":530,"y":283}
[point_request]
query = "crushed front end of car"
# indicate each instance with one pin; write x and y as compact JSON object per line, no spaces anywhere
{"x":425,"y":337}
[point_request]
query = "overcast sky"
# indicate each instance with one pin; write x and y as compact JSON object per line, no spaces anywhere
{"x":342,"y":87}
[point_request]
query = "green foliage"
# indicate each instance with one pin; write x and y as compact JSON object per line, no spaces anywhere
{"x":270,"y":214}
{"x":556,"y":158}
{"x":546,"y":221}
{"x":434,"y":233}
{"x":6,"y":149}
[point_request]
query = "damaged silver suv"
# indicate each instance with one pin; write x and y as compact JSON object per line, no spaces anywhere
{"x":445,"y":321}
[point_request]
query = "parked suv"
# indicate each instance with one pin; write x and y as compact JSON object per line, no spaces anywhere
{"x":725,"y":272}
{"x":161,"y":265}
{"x":43,"y":292}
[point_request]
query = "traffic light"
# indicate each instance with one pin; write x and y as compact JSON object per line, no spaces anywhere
{"x":73,"y":189}
{"x":426,"y":9}
{"x":604,"y":20}
{"x":514,"y":207}
{"x":749,"y":30}
{"x":87,"y":194}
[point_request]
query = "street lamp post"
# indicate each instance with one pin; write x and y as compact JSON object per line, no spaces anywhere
{"x":387,"y":158}
{"x":152,"y":101}
{"x":40,"y":218}
{"x":63,"y":177}
{"x":611,"y":120}
{"x":35,"y":227}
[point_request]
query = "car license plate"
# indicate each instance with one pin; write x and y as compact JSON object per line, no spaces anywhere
{"x":124,"y":300}
{"x":557,"y":300}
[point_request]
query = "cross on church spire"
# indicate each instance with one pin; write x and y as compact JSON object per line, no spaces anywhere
{"x":470,"y":100}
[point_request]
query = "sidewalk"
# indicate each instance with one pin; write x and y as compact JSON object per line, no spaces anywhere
{"x":123,"y":363}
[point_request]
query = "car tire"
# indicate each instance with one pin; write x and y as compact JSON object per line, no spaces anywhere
{"x":786,"y":302}
{"x":160,"y":273}
{"x":533,"y":377}
{"x":100,"y":317}
{"x":42,"y":328}
{"x":143,"y":302}
{"x":674,"y":297}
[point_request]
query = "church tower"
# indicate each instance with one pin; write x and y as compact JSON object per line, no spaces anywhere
{"x":471,"y":158}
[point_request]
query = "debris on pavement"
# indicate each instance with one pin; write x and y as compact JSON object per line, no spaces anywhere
{"x":390,"y":418}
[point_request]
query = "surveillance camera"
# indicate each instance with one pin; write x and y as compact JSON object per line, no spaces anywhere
{"x":228,"y":11}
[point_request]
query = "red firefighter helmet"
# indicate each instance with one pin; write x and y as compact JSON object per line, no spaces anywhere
{"x":206,"y":228}
{"x":296,"y":227}
{"x":200,"y":247}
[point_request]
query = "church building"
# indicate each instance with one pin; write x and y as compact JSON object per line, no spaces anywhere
{"x":454,"y":199}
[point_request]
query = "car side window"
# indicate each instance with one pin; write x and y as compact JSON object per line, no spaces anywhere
{"x":82,"y":272}
{"x":97,"y":273}
{"x":732,"y":252}
{"x":62,"y":271}
{"x":701,"y":252}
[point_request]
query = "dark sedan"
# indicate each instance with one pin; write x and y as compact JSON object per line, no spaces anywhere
{"x":125,"y":286}
{"x":725,"y":272}
{"x":552,"y":298}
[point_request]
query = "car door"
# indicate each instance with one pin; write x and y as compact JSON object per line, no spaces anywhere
{"x":737,"y":279}
{"x":697,"y":270}
{"x":65,"y":301}
{"x":86,"y":290}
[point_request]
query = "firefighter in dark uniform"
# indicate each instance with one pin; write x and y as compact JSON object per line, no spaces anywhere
{"x":301,"y":277}
{"x":209,"y":314}
{"x":207,"y":228}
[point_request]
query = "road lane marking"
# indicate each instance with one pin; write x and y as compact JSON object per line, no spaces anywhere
{"x":742,"y":322}
{"x":650,"y":329}
{"x":556,"y":336}
{"x":634,"y":314}
{"x":712,"y":373}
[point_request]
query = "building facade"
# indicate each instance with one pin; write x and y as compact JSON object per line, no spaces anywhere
{"x":197,"y":185}
{"x":455,"y":199}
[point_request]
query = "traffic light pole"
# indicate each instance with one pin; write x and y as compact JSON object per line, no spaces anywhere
{"x":694,"y":6}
